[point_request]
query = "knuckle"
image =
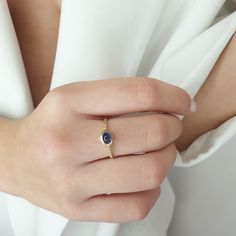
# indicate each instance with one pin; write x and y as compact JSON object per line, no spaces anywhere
{"x":154,"y":133}
{"x":55,"y":143}
{"x":141,"y":208}
{"x":140,"y":212}
{"x":159,"y":131}
{"x":145,"y":92}
{"x":170,"y":152}
{"x":71,"y":207}
{"x":156,"y":175}
{"x":173,"y":150}
{"x":70,"y":198}
{"x":186,"y":99}
{"x":57,"y":98}
{"x":56,"y":94}
{"x":148,"y":133}
{"x":172,"y":127}
{"x":54,"y":146}
{"x":151,"y":175}
{"x":70,"y":210}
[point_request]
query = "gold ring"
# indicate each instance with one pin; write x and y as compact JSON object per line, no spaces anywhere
{"x":106,"y":138}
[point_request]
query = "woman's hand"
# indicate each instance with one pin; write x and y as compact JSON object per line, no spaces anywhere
{"x":57,"y":162}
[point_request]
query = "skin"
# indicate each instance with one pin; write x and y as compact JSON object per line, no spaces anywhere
{"x":50,"y":170}
{"x":53,"y":165}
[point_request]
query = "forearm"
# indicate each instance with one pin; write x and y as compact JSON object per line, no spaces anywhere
{"x":216,"y":100}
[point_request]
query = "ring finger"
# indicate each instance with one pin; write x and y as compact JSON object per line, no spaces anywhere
{"x":130,"y":135}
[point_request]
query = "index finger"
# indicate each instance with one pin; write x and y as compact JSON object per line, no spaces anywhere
{"x":127,"y":95}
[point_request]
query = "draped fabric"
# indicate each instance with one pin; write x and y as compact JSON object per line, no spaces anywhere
{"x":174,"y":41}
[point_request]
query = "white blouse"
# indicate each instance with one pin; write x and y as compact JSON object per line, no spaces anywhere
{"x":175,"y":41}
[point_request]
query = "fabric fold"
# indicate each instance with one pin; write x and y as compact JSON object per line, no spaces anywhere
{"x":204,"y":51}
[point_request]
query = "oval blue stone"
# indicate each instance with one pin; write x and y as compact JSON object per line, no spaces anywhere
{"x":107,"y":137}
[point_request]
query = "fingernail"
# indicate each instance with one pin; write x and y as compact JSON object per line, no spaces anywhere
{"x":193,"y":107}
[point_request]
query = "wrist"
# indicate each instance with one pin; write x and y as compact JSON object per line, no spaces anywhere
{"x":8,"y":146}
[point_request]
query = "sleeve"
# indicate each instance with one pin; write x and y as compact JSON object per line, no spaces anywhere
{"x":206,"y":49}
{"x":186,"y":59}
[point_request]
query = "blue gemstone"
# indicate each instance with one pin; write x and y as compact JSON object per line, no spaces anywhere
{"x":107,"y":137}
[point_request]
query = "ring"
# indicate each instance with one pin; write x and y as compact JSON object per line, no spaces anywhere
{"x":106,"y":138}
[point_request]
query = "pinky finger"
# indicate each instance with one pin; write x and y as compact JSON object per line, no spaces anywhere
{"x":118,"y":208}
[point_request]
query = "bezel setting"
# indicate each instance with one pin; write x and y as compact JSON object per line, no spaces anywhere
{"x":106,"y":137}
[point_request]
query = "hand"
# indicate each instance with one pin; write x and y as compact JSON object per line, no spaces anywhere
{"x":58,"y":162}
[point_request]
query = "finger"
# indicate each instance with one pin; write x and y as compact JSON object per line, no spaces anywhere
{"x":126,"y":95}
{"x":128,"y":173}
{"x":117,"y":207}
{"x":143,"y":133}
{"x":130,"y":135}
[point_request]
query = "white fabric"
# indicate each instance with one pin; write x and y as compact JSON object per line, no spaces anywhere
{"x":175,"y":41}
{"x":205,"y":196}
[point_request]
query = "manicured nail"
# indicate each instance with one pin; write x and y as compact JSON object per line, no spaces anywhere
{"x":193,"y":107}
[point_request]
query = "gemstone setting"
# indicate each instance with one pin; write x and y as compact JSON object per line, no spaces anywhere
{"x":106,"y":137}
